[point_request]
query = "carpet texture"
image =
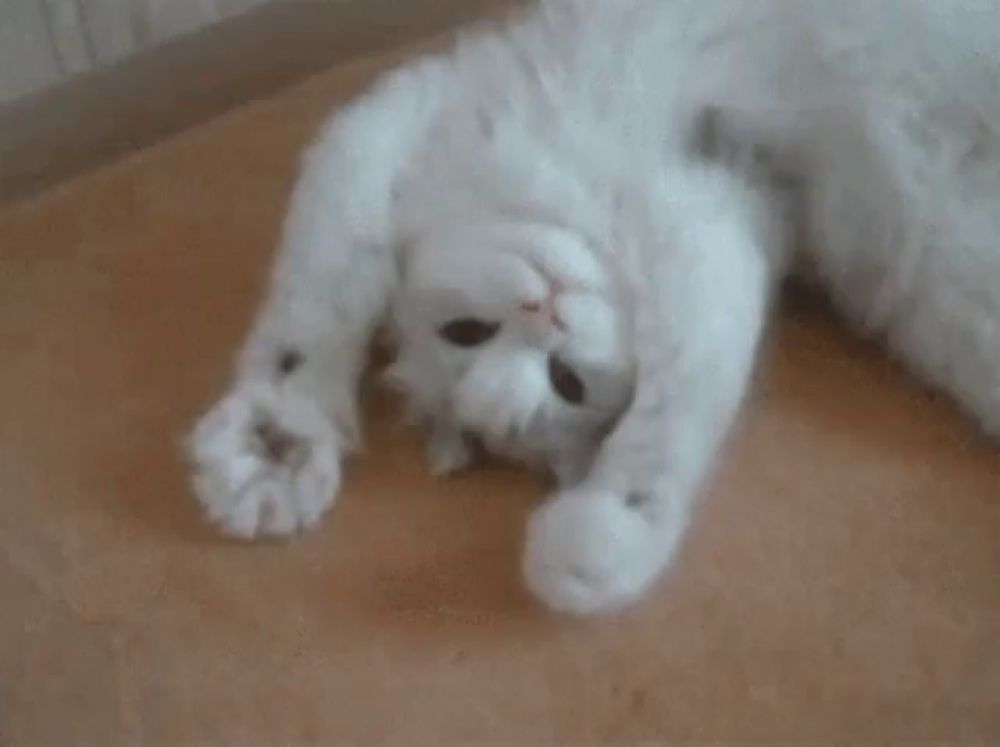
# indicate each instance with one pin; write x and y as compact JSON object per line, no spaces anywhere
{"x":841,"y":584}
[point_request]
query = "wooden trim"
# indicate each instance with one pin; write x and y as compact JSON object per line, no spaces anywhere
{"x":96,"y":117}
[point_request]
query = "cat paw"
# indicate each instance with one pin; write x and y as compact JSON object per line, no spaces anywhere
{"x":266,"y":462}
{"x":590,"y":551}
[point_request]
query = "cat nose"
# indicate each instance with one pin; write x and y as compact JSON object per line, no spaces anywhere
{"x":543,"y":311}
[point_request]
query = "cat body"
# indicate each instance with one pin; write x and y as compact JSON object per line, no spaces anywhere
{"x":575,"y":224}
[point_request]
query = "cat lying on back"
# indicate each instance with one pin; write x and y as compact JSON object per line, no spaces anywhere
{"x":575,"y":225}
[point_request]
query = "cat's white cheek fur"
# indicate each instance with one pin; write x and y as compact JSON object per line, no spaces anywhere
{"x":448,"y":451}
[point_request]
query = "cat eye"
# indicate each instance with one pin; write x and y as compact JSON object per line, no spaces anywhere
{"x":469,"y":333}
{"x":565,"y":382}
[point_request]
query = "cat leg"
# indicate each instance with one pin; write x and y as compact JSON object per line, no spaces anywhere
{"x":266,"y":458}
{"x":906,"y":244}
{"x":600,"y":544}
{"x":946,"y":327}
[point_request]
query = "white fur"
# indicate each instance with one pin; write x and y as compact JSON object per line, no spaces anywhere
{"x":587,"y":551}
{"x":246,"y":492}
{"x":551,"y":176}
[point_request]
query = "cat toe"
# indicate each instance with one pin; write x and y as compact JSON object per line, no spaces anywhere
{"x":265,"y":463}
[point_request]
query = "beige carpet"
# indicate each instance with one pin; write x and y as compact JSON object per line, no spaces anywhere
{"x":841,"y":586}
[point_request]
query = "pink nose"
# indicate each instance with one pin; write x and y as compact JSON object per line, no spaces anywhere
{"x":544,"y":309}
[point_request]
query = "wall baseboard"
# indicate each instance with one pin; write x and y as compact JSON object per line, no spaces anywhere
{"x":59,"y":133}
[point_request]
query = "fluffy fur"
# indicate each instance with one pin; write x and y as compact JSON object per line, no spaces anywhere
{"x":575,"y":224}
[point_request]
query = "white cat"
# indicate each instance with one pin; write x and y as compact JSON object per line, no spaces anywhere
{"x":575,"y":224}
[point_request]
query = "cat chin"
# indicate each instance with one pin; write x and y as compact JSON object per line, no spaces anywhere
{"x":503,"y":408}
{"x":451,"y":448}
{"x":565,"y":453}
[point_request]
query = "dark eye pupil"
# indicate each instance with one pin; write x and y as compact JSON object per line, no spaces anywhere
{"x":468,"y":333}
{"x":565,"y":382}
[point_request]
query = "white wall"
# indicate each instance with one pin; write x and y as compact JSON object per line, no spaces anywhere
{"x":44,"y":41}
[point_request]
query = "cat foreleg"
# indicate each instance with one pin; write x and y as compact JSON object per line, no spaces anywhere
{"x":601,"y":544}
{"x":266,"y":458}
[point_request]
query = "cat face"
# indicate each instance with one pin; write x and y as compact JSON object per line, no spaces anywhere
{"x":514,"y":333}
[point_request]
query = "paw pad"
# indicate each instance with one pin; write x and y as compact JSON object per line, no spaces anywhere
{"x":278,"y":445}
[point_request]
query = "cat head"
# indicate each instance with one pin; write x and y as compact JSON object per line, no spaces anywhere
{"x":516,"y":333}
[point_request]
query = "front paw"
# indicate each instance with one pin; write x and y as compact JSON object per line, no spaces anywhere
{"x":265,"y":462}
{"x":591,"y":551}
